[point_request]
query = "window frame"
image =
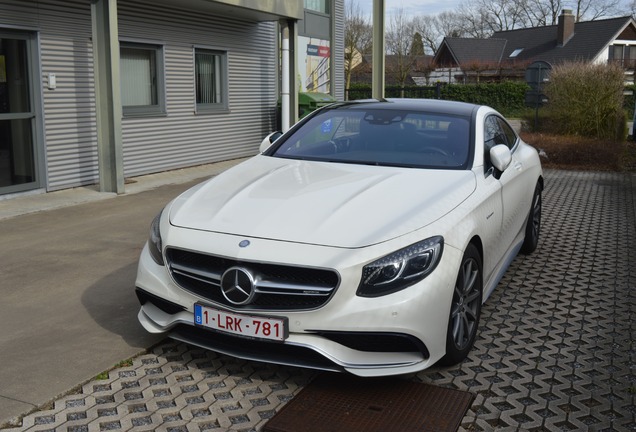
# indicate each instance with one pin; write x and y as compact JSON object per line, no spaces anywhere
{"x":158,"y":109}
{"x":216,"y":107}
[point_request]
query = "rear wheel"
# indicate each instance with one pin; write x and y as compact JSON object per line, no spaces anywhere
{"x":533,"y":226}
{"x":465,"y":308}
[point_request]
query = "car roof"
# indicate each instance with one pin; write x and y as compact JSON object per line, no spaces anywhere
{"x":427,"y":105}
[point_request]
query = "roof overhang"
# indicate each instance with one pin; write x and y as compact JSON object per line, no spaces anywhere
{"x":262,"y":10}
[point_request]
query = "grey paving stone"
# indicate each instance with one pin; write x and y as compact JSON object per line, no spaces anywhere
{"x":556,"y":349}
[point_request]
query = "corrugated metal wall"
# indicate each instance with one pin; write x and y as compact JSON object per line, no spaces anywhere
{"x":183,"y":138}
{"x":151,"y":144}
{"x":338,"y":54}
{"x":65,"y":45}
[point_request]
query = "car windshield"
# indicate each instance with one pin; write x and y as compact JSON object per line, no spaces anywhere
{"x":386,"y":137}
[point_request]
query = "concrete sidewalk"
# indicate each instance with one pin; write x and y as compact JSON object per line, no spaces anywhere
{"x":68,"y":309}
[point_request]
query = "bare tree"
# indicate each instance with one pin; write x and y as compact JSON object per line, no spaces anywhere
{"x":542,"y":12}
{"x":450,"y":24}
{"x":475,"y":20}
{"x":358,"y":38}
{"x":433,"y":28}
{"x":590,"y":10}
{"x":426,"y":27}
{"x":483,"y":17}
{"x":399,"y":38}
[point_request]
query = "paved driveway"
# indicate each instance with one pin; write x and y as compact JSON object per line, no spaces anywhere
{"x":557,"y":341}
{"x":556,"y":349}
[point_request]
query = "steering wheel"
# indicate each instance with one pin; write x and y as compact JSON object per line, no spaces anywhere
{"x":340,"y":144}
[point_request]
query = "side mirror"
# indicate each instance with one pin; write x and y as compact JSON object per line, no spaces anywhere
{"x":269,"y":140}
{"x":500,"y":156}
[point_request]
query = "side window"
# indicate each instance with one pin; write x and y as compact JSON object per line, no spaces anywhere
{"x":496,"y":131}
{"x":493,"y":132}
{"x":493,"y":135}
{"x":511,"y":136}
{"x":142,"y":79}
{"x":210,"y":68}
{"x":349,"y":127}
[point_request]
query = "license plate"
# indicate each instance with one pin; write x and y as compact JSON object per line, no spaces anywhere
{"x":244,"y":325}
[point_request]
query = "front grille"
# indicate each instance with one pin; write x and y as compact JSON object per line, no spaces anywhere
{"x":277,"y":287}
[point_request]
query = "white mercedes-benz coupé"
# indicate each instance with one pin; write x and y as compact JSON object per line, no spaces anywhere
{"x":365,"y":239}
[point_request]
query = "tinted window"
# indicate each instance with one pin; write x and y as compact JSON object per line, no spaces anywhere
{"x":511,"y":136}
{"x":493,"y":133}
{"x":381,"y":137}
{"x":496,"y":131}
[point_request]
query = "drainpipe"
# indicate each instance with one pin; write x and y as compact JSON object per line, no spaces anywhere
{"x":285,"y":97}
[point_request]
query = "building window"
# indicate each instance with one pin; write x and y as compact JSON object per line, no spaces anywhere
{"x":210,"y":79}
{"x":321,"y":6}
{"x":142,"y":84}
{"x":616,"y":52}
{"x":515,"y":53}
{"x":625,"y":55}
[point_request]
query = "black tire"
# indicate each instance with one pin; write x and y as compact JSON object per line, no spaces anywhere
{"x":533,"y":226}
{"x":465,"y":308}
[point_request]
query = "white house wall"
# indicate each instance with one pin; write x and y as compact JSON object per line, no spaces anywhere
{"x":183,"y":138}
{"x":64,"y":30}
{"x":603,"y":56}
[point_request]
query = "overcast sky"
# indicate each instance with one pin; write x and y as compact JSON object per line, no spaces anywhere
{"x":429,"y":7}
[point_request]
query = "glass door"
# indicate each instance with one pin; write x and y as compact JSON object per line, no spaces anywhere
{"x":18,"y":156}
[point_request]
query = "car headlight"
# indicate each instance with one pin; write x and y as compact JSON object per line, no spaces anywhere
{"x":401,"y":269}
{"x":154,"y":240}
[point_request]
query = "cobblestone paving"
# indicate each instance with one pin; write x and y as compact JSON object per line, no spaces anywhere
{"x":175,"y":388}
{"x":556,"y":349}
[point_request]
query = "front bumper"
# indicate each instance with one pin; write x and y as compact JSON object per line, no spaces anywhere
{"x":417,"y":315}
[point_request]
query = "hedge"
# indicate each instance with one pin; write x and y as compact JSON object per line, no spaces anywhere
{"x":508,"y":97}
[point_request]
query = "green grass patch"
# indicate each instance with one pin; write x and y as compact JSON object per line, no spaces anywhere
{"x":106,"y":374}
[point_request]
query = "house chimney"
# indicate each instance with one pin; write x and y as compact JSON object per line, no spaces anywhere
{"x":566,"y":27}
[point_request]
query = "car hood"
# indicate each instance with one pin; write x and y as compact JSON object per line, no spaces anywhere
{"x":339,"y":205}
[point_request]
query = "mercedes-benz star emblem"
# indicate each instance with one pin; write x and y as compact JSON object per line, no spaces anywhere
{"x":237,"y":285}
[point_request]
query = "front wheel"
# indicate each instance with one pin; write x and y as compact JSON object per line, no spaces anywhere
{"x":465,"y":308}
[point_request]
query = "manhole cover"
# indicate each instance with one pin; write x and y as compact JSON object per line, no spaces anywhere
{"x":336,"y":402}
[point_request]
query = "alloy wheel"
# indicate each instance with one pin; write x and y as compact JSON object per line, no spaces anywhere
{"x":466,"y":304}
